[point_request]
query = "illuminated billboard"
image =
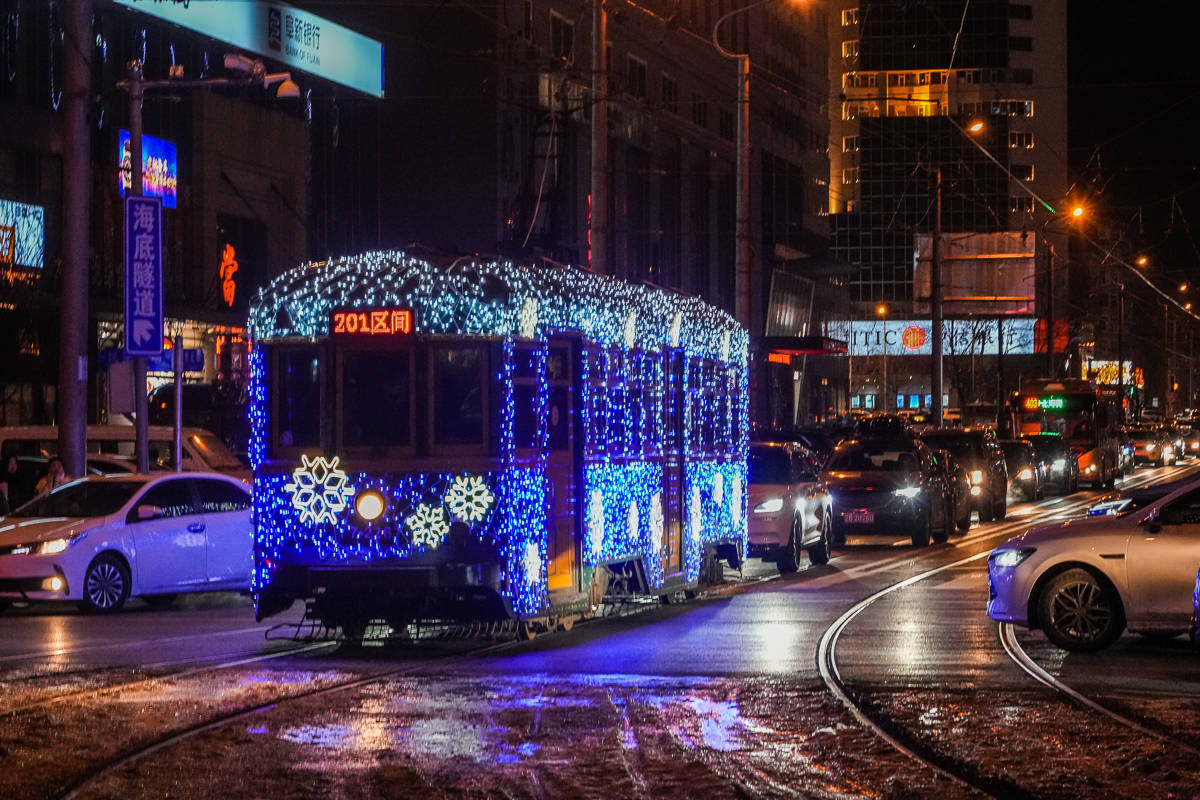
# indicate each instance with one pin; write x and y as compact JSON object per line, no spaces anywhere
{"x":159,"y":168}
{"x":899,"y":337}
{"x":22,"y":235}
{"x":282,"y":33}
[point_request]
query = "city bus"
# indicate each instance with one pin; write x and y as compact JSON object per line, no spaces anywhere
{"x":489,"y":442}
{"x":1077,"y":411}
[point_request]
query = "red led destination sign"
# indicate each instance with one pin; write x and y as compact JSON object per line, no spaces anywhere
{"x":371,"y":322}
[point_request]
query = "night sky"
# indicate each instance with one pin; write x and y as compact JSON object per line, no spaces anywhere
{"x":1134,"y":112}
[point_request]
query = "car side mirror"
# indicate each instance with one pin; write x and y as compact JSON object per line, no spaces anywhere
{"x":146,"y":512}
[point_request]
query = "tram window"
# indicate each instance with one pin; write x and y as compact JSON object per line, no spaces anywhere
{"x":458,"y":395}
{"x":298,"y":398}
{"x":525,"y":415}
{"x":376,"y":398}
{"x":556,"y":364}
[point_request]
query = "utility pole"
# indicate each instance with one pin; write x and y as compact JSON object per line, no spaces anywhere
{"x":1050,"y":371}
{"x":1121,"y":349}
{"x":71,"y":404}
{"x":935,"y":304}
{"x":600,"y":161}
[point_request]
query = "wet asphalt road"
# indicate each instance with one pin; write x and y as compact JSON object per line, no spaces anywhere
{"x":758,"y":631}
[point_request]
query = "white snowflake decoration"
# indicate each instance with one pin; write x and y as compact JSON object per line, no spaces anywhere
{"x":428,"y":525}
{"x":718,"y":495}
{"x":469,"y":498}
{"x":695,"y":520}
{"x":596,"y":523}
{"x":631,"y":521}
{"x":630,"y":329}
{"x":656,"y":519}
{"x":735,"y":501}
{"x":527,"y":318}
{"x":319,"y":489}
{"x":725,"y":345}
{"x":532,"y":562}
{"x":675,"y":330}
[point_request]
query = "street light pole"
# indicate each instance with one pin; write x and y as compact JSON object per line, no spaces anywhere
{"x":1121,"y":350}
{"x":600,"y":165}
{"x":935,"y":305}
{"x":745,"y":251}
{"x":1050,"y":314}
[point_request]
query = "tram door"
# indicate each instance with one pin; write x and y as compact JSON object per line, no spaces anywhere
{"x":674,"y":486}
{"x":563,"y":568}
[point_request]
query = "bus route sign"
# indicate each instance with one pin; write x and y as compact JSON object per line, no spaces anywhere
{"x":371,"y":322}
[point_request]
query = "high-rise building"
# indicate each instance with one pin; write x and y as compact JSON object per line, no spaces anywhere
{"x":975,"y":92}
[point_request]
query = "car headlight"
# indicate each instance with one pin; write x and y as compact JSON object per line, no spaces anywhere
{"x":976,"y":476}
{"x":908,"y":492}
{"x":1025,"y":474}
{"x":53,"y":546}
{"x":1010,"y":558}
{"x":1059,"y":464}
{"x":1091,"y":468}
{"x":1151,"y":447}
{"x":769,"y":506}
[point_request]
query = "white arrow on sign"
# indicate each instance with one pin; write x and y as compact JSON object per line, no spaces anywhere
{"x":142,"y":330}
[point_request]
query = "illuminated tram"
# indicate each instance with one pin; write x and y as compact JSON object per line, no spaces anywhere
{"x":1076,"y":410}
{"x":488,"y":442}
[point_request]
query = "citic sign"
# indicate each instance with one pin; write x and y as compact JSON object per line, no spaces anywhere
{"x":913,"y":337}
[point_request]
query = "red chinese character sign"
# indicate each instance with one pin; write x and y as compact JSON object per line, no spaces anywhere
{"x":371,"y":322}
{"x":143,"y":276}
{"x":229,"y":267}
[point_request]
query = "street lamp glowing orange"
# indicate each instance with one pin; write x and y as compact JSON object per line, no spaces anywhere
{"x":1077,"y":211}
{"x":1187,"y":306}
{"x":1183,"y":287}
{"x":1142,"y":261}
{"x":881,"y":310}
{"x":975,"y":127}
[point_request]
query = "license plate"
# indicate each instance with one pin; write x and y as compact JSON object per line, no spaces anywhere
{"x":860,"y":517}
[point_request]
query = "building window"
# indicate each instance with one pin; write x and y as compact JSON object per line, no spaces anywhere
{"x":725,"y":124}
{"x":849,"y":111}
{"x":670,"y":94}
{"x":1022,"y":43}
{"x":1012,"y":108}
{"x":1020,"y":11}
{"x":970,"y":75}
{"x":859,"y":80}
{"x":1021,"y":205}
{"x":562,"y":38}
{"x":850,"y":49}
{"x":850,"y":175}
{"x":1020,"y":140}
{"x":849,"y":144}
{"x":637,"y":77}
{"x":699,"y":111}
{"x":849,"y":17}
{"x":1023,"y":171}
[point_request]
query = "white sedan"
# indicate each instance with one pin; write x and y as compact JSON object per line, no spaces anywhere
{"x":1084,"y":582}
{"x":100,"y":540}
{"x":790,"y":509}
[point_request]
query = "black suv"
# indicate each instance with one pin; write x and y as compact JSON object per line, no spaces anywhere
{"x":977,"y":451}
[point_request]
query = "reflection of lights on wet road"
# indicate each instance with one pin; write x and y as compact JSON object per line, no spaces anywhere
{"x":777,"y":644}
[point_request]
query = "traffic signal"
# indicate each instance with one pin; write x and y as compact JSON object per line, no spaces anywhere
{"x":1173,"y":383}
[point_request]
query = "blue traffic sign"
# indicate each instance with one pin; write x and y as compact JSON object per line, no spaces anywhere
{"x":143,"y":276}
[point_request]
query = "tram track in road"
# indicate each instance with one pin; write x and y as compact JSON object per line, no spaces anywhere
{"x":232,"y":661}
{"x":135,"y":754}
{"x":1012,"y":646}
{"x":962,"y":773}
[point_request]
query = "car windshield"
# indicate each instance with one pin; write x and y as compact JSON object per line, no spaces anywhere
{"x":81,"y":499}
{"x":214,"y":452}
{"x":1046,"y":445}
{"x":1014,"y":451}
{"x":864,"y":458}
{"x":961,"y":445}
{"x":769,"y":465}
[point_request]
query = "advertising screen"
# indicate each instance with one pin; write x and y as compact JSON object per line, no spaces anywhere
{"x":22,"y":235}
{"x":159,"y":169}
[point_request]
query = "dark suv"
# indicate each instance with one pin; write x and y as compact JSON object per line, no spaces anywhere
{"x":977,"y":451}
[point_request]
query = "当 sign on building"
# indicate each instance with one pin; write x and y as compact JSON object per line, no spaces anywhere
{"x":282,"y":33}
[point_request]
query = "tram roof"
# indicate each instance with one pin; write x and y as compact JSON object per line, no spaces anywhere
{"x":490,"y":298}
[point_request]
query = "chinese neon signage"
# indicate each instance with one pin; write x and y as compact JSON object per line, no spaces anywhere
{"x":229,"y":266}
{"x":371,"y":322}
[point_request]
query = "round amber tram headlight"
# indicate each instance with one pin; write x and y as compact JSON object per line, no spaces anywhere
{"x":370,"y":506}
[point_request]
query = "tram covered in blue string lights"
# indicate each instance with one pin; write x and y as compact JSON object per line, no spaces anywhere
{"x":488,"y":441}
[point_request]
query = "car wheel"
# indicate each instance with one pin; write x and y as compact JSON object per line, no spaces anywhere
{"x":787,"y":557}
{"x":1001,"y":510}
{"x":987,"y":511}
{"x":920,"y":537}
{"x":964,"y":523}
{"x":5,"y":605}
{"x":818,"y":553}
{"x":105,"y":585}
{"x":159,"y":600}
{"x":942,"y":532}
{"x":1079,"y":613}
